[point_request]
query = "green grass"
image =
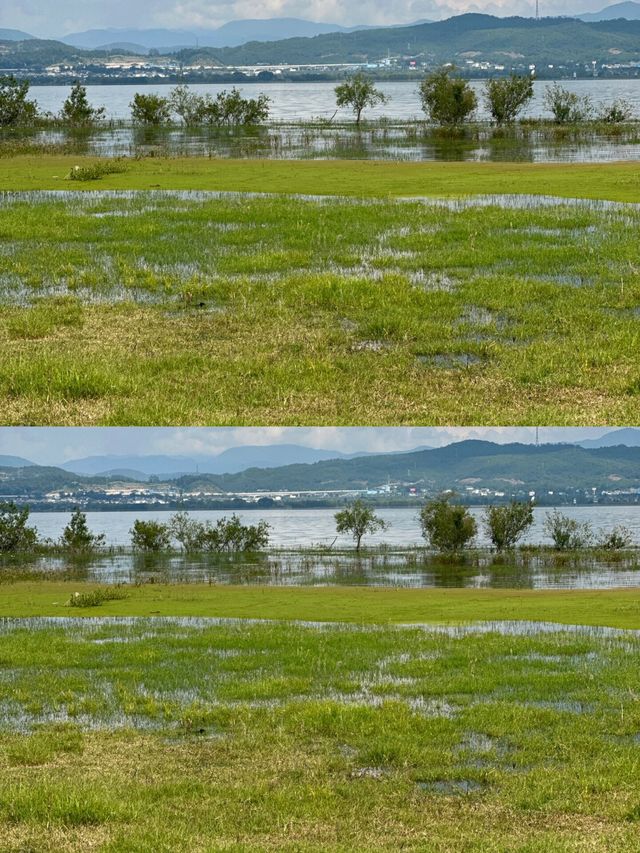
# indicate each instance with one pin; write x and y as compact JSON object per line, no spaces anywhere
{"x":184,"y":310}
{"x":617,"y":608}
{"x":182,"y":736}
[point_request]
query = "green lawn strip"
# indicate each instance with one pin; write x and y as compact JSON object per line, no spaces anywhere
{"x":619,"y":608}
{"x":613,"y":181}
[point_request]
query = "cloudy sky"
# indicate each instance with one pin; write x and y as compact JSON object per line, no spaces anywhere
{"x":59,"y":17}
{"x":51,"y":445}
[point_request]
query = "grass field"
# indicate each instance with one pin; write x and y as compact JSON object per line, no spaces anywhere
{"x":191,"y":735}
{"x":186,"y":309}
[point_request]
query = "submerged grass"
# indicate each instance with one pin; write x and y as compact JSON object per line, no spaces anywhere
{"x":188,"y":308}
{"x":182,"y":735}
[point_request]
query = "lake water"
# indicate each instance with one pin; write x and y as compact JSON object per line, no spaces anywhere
{"x":306,"y":527}
{"x":298,"y":101}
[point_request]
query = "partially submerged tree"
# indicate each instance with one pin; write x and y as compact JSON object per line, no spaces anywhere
{"x":77,"y":111}
{"x":567,"y":107}
{"x":617,"y":539}
{"x":617,"y":112}
{"x":15,"y":109}
{"x":358,"y":519}
{"x":151,"y":110}
{"x":230,"y":109}
{"x":566,"y":533}
{"x":77,"y":537}
{"x":505,"y":525}
{"x":15,"y":535}
{"x":229,"y":535}
{"x":446,"y":526}
{"x":358,"y":93}
{"x":505,"y":97}
{"x":446,"y":98}
{"x":150,"y":536}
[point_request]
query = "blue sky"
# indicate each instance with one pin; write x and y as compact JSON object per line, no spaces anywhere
{"x":48,"y":445}
{"x":58,"y":17}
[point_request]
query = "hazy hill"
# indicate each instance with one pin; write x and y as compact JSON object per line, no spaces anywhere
{"x":14,"y":462}
{"x":628,"y":10}
{"x":13,"y":35}
{"x":628,"y":436}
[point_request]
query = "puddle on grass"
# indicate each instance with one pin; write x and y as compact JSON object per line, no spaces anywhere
{"x":451,"y":787}
{"x":450,"y":361}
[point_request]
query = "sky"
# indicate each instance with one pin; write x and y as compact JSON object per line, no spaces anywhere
{"x":55,"y":445}
{"x":51,"y":18}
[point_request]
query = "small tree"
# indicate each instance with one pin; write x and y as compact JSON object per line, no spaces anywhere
{"x":77,"y":110}
{"x":566,"y":533}
{"x":187,"y":531}
{"x":567,"y":107}
{"x":358,"y":519}
{"x":446,"y":99}
{"x":505,"y":525}
{"x":15,"y":109}
{"x":152,"y":110}
{"x":150,"y":536}
{"x":615,"y":540}
{"x":230,"y":109}
{"x":188,"y":105}
{"x":447,"y":527}
{"x":77,"y":537}
{"x":507,"y":96}
{"x":232,"y":535}
{"x":15,"y":536}
{"x":616,"y":112}
{"x":359,"y":92}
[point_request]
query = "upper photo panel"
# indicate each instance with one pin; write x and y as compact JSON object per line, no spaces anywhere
{"x":395,"y":216}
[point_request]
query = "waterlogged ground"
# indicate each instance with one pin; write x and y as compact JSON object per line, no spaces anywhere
{"x":202,"y":734}
{"x":178,"y":307}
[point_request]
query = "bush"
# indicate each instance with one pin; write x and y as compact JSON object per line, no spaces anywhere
{"x":150,"y":109}
{"x":150,"y":536}
{"x":617,"y":112}
{"x":359,"y":92}
{"x":445,"y":526}
{"x":95,"y":171}
{"x":615,"y":540}
{"x":446,"y":99}
{"x":566,"y":106}
{"x":15,"y":535}
{"x":186,"y":104}
{"x":77,"y":111}
{"x":15,"y":109}
{"x":505,"y":525}
{"x":77,"y":537}
{"x":566,"y":533}
{"x":507,"y":96}
{"x":225,"y":535}
{"x":358,"y":519}
{"x":230,"y":109}
{"x":96,"y":597}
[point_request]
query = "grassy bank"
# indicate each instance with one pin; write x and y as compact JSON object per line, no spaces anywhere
{"x":131,"y":737}
{"x":618,"y":608}
{"x":189,"y":310}
{"x":367,"y":179}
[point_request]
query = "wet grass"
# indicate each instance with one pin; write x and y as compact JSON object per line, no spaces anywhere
{"x":182,"y":735}
{"x":189,"y":308}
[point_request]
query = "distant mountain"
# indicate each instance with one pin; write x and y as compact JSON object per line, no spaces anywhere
{"x":14,"y":462}
{"x":628,"y":436}
{"x":14,"y":35}
{"x":628,"y":10}
{"x":93,"y":39}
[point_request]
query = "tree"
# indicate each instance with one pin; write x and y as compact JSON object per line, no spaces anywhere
{"x":446,"y":99}
{"x":566,"y":533}
{"x":15,"y":536}
{"x":232,"y":110}
{"x":150,"y":536}
{"x":77,"y":110}
{"x":232,"y":535}
{"x":15,"y":109}
{"x":187,"y":105}
{"x":447,"y":526}
{"x":77,"y":537}
{"x":616,"y":112}
{"x":359,"y":92}
{"x":186,"y":530}
{"x":505,"y":525}
{"x":566,"y":106}
{"x":507,"y":96}
{"x":615,"y":540}
{"x":150,"y":109}
{"x":357,"y":519}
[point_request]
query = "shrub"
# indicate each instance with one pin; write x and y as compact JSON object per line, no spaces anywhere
{"x":150,"y":109}
{"x":617,"y":112}
{"x":150,"y":536}
{"x":77,"y":537}
{"x":505,"y":525}
{"x":507,"y":96}
{"x":15,"y":109}
{"x":445,"y":526}
{"x":566,"y":533}
{"x":95,"y":171}
{"x":15,"y":535}
{"x":615,"y":540}
{"x":77,"y":110}
{"x":359,"y":92}
{"x":225,"y":535}
{"x":566,"y":106}
{"x":358,"y":519}
{"x":96,"y":597}
{"x":232,"y":110}
{"x":446,"y":99}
